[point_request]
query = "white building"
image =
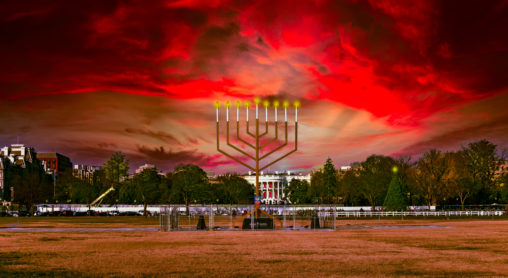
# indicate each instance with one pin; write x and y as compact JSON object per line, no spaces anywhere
{"x":272,"y":186}
{"x":143,"y":167}
{"x":17,"y":154}
{"x":85,"y":172}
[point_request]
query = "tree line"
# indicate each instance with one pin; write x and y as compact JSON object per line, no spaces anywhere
{"x":471,"y":175}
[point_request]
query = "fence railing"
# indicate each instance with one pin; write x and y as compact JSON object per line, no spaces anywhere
{"x":412,"y":213}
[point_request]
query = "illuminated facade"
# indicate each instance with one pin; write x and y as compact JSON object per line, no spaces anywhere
{"x":272,"y":186}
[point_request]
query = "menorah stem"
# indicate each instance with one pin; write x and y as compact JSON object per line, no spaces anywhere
{"x":257,"y":164}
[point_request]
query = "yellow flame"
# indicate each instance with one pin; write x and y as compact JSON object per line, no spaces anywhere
{"x":247,"y":104}
{"x":395,"y":169}
{"x":276,"y":103}
{"x":238,"y":104}
{"x":227,"y":104}
{"x":217,"y":104}
{"x":296,"y":104}
{"x":257,"y":100}
{"x":286,"y":104}
{"x":266,"y":103}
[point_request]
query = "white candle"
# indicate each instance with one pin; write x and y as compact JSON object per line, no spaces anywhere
{"x":227,"y":114}
{"x":256,"y":111}
{"x":296,"y":114}
{"x":285,"y":114}
{"x":247,"y":113}
{"x":275,"y":108}
{"x":266,"y":114}
{"x":237,"y":114}
{"x":217,"y":114}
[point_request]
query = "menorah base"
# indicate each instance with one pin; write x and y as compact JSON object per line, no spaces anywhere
{"x":264,"y":223}
{"x":259,"y":222}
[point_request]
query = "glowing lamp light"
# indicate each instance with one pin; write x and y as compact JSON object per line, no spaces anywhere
{"x":286,"y":105}
{"x":217,"y":105}
{"x":227,"y":110}
{"x":296,"y":104}
{"x":238,"y":104}
{"x":395,"y":169}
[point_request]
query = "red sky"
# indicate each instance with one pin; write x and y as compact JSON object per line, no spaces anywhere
{"x":87,"y":78}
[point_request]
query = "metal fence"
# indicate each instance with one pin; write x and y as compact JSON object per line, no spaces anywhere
{"x":220,"y":217}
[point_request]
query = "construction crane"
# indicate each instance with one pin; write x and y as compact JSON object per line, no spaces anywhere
{"x":99,"y":199}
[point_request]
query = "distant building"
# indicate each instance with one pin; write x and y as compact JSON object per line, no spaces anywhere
{"x":272,"y":186}
{"x":85,"y":172}
{"x":54,"y":162}
{"x":143,"y":167}
{"x":345,"y":168}
{"x":18,"y":154}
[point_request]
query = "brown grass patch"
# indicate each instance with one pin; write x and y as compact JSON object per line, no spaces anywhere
{"x":469,"y":248}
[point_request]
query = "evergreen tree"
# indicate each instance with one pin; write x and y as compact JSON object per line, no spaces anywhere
{"x":395,"y":200}
{"x":330,"y":180}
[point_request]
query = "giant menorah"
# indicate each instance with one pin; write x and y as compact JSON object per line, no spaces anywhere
{"x":257,"y":147}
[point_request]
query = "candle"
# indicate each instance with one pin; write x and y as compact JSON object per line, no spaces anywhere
{"x":286,"y":104}
{"x":256,"y":101}
{"x":247,"y":104}
{"x":266,"y":103}
{"x":238,"y":110}
{"x":275,"y":105}
{"x":217,"y":104}
{"x":297,"y":104}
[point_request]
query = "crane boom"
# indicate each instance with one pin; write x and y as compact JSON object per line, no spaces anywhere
{"x":99,"y":199}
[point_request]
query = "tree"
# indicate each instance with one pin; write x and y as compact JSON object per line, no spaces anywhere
{"x":432,"y":169}
{"x":116,"y":168}
{"x":330,"y":182}
{"x":482,"y":161}
{"x":297,"y":191}
{"x":395,"y":199}
{"x":317,"y":188}
{"x":460,"y":181}
{"x":189,"y":183}
{"x":374,"y":177}
{"x":348,"y":187}
{"x":233,"y":189}
{"x":147,"y":184}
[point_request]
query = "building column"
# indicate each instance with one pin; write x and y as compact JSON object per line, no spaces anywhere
{"x":278,"y":191}
{"x":273,"y":192}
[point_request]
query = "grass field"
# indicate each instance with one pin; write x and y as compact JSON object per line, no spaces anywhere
{"x":465,"y":248}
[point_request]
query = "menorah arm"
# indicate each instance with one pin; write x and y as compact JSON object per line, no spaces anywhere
{"x":250,"y":133}
{"x":228,"y":155}
{"x":234,"y":147}
{"x":279,"y":147}
{"x":266,"y":130}
{"x":274,"y":139}
{"x":240,"y":139}
{"x":284,"y":156}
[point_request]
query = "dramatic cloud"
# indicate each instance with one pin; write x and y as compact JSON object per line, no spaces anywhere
{"x":87,"y":78}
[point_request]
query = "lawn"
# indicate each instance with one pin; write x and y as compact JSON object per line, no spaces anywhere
{"x":462,"y":248}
